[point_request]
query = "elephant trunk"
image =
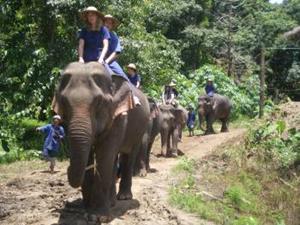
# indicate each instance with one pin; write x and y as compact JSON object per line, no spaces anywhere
{"x":80,"y":139}
{"x":201,"y":116}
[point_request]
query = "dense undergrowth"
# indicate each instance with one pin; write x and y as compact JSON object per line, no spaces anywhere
{"x":252,"y":182}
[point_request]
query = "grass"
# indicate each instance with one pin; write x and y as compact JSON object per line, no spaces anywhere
{"x":251,"y":196}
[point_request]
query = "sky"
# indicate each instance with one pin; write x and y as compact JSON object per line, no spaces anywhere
{"x":276,"y":1}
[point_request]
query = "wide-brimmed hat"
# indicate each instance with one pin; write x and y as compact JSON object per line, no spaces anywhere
{"x":83,"y":14}
{"x":115,"y":21}
{"x":131,"y":66}
{"x":172,"y":84}
{"x":210,"y":79}
{"x":57,"y":117}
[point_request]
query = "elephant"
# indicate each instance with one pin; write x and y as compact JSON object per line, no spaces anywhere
{"x":173,"y":122}
{"x":154,"y":125}
{"x":213,"y":108}
{"x":101,"y":122}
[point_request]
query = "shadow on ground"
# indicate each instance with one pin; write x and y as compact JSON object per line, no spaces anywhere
{"x":74,"y":213}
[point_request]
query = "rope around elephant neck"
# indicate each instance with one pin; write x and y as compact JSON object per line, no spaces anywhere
{"x":93,"y":166}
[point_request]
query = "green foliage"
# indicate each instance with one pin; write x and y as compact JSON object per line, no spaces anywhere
{"x":281,"y":145}
{"x":244,"y":97}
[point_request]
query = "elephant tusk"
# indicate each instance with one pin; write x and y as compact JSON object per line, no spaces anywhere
{"x":93,"y":166}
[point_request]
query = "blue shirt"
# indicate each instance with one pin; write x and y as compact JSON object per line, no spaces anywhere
{"x":134,"y":79}
{"x":93,"y":42}
{"x":53,"y":136}
{"x":210,"y":89}
{"x":191,"y":119}
{"x":114,"y":44}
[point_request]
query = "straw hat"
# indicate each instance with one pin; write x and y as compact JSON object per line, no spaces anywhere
{"x":131,"y":66}
{"x":93,"y":9}
{"x":57,"y":117}
{"x":115,"y":21}
{"x":172,"y":84}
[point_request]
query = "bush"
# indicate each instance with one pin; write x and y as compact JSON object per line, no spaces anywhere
{"x":244,"y":97}
{"x":278,"y":143}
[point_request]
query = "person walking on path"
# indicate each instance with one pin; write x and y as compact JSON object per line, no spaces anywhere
{"x":191,"y":121}
{"x":54,"y":134}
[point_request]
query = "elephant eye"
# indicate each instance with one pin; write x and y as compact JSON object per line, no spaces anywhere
{"x":97,"y":80}
{"x":64,"y":81}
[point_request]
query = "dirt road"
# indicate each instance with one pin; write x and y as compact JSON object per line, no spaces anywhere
{"x":29,"y":195}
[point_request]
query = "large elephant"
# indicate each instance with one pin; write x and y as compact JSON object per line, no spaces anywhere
{"x":173,"y":121}
{"x":213,"y":108}
{"x":102,"y":122}
{"x":154,"y":125}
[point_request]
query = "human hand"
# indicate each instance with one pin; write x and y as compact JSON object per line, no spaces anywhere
{"x":81,"y":60}
{"x":101,"y":61}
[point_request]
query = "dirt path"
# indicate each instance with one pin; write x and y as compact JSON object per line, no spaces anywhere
{"x":29,"y":195}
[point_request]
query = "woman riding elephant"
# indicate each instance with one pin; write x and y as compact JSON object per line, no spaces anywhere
{"x":99,"y":44}
{"x":92,"y":103}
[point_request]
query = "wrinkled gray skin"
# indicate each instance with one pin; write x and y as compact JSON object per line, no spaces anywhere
{"x":213,"y":108}
{"x":143,"y":160}
{"x":181,"y":118}
{"x":88,"y":98}
{"x":173,"y":121}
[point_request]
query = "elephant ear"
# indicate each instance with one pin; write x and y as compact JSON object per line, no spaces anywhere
{"x":122,"y":96}
{"x":55,"y":106}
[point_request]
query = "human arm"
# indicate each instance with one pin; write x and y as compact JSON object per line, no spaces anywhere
{"x":105,"y":44}
{"x":113,"y":56}
{"x":138,"y":83}
{"x":82,"y":36}
{"x":104,"y":51}
{"x":80,"y":50}
{"x":115,"y":47}
{"x":61,"y":132}
{"x":44,"y":129}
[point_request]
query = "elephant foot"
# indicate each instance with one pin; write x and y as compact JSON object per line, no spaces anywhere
{"x":173,"y":154}
{"x":97,"y":217}
{"x":105,"y":219}
{"x":209,"y":132}
{"x":143,"y":172}
{"x":124,"y":195}
{"x":224,"y":130}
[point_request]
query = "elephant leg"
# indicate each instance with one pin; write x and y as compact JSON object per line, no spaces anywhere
{"x":126,"y":177}
{"x":142,"y":155}
{"x":169,"y":150}
{"x":224,"y":127}
{"x":164,"y":141}
{"x":209,"y":124}
{"x":96,"y":188}
{"x":86,"y":187}
{"x":148,"y":154}
{"x":175,"y":139}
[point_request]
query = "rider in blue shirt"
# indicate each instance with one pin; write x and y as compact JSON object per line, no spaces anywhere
{"x":93,"y":39}
{"x":133,"y":76}
{"x":114,"y":48}
{"x":210,"y":88}
{"x":191,"y":121}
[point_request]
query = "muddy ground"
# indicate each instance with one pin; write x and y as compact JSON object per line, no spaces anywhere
{"x":30,"y":195}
